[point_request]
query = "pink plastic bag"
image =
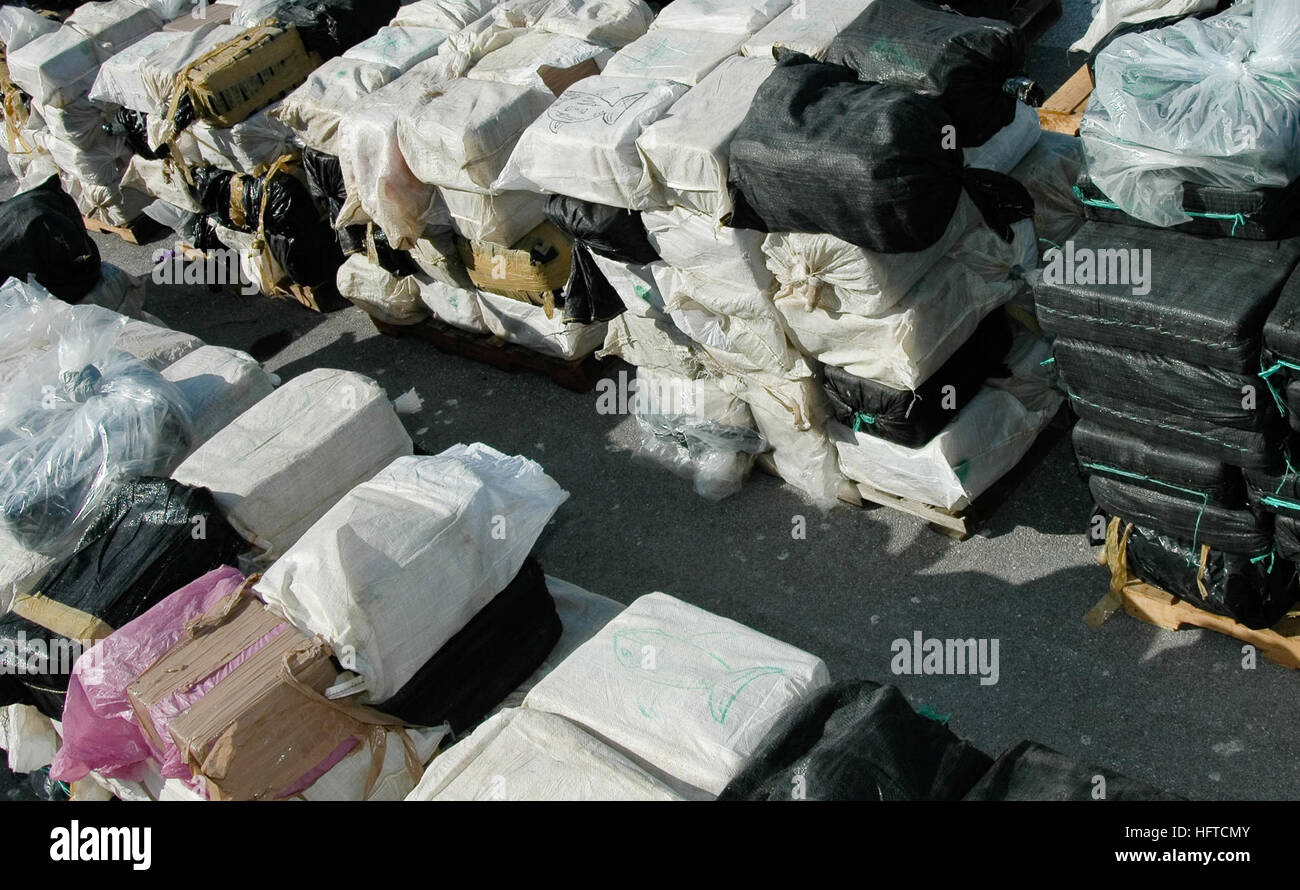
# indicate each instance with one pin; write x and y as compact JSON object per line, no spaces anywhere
{"x":100,"y":730}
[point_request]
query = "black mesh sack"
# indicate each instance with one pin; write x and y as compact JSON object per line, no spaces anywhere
{"x":914,"y":417}
{"x":1265,"y":214}
{"x":42,"y":234}
{"x":858,"y":741}
{"x":486,"y":660}
{"x":820,"y":151}
{"x":1105,"y":451}
{"x":1236,"y":447}
{"x":961,"y":61}
{"x":1286,"y":537}
{"x":1166,"y":385}
{"x":1274,"y":490}
{"x":1031,"y":771}
{"x":331,"y":27}
{"x":35,"y":665}
{"x":1207,"y":301}
{"x":1256,"y":589}
{"x":1181,"y":516}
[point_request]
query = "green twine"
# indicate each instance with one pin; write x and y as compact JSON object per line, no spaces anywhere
{"x":930,"y":713}
{"x":860,"y":420}
{"x":1050,"y":360}
{"x":1266,"y":373}
{"x":1051,"y":242}
{"x":1139,"y":477}
{"x":1238,"y":219}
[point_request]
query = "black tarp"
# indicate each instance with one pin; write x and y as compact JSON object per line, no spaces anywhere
{"x":1207,"y":301}
{"x":133,"y":125}
{"x":42,"y":234}
{"x":1105,"y":451}
{"x":331,"y":27}
{"x":1286,"y":537}
{"x":1265,"y":214}
{"x":1184,"y":517}
{"x":962,"y":61}
{"x":1256,"y":589}
{"x":486,"y":660}
{"x":858,"y":740}
{"x":1166,"y":385}
{"x":612,"y":232}
{"x":35,"y":665}
{"x":914,"y":417}
{"x":1031,"y":771}
{"x":1282,"y":349}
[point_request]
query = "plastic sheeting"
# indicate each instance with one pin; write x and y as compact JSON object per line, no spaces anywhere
{"x":584,"y":145}
{"x":1031,"y":771}
{"x":859,"y":741}
{"x":1224,"y":111}
{"x":686,"y":152}
{"x":1110,"y":14}
{"x":1263,"y":214}
{"x":688,"y":692}
{"x":821,"y":152}
{"x":522,"y":754}
{"x":684,"y":57}
{"x":218,"y":385}
{"x":423,"y":531}
{"x":1211,"y":311}
{"x":283,"y":463}
{"x":1049,"y":172}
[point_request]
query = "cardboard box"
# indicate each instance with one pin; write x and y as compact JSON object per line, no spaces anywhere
{"x":531,"y":271}
{"x":244,"y":75}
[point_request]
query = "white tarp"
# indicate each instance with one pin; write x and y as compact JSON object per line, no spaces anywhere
{"x":528,"y":755}
{"x":518,"y":61}
{"x":584,"y":145}
{"x":456,"y":304}
{"x":741,"y":17}
{"x":686,"y":691}
{"x":316,"y":108}
{"x":55,"y":68}
{"x":113,"y":25}
{"x":808,"y":27}
{"x":283,"y":463}
{"x":640,"y":287}
{"x":686,"y":152}
{"x":386,"y":296}
{"x":218,"y":384}
{"x":527,"y":325}
{"x":406,"y":559}
{"x":77,"y":122}
{"x":97,"y":161}
{"x":680,"y":56}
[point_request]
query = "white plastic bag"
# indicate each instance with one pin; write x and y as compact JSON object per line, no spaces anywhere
{"x":55,"y":68}
{"x":613,"y":23}
{"x":584,"y":145}
{"x":518,"y":61}
{"x":379,"y":292}
{"x":97,"y":161}
{"x":398,"y":47}
{"x":686,"y":152}
{"x":640,"y":287}
{"x":128,"y":79}
{"x":1109,"y":14}
{"x":218,"y":384}
{"x":652,"y":341}
{"x":113,"y":25}
{"x":690,"y":693}
{"x":501,"y":219}
{"x":741,"y":17}
{"x":406,"y":559}
{"x":19,"y":26}
{"x":454,"y":303}
{"x":249,"y":146}
{"x":680,"y":56}
{"x":316,"y":108}
{"x":283,"y":463}
{"x":724,"y":265}
{"x":1214,"y":102}
{"x":527,"y":325}
{"x":521,"y":754}
{"x":1008,"y":146}
{"x":807,"y":27}
{"x":80,"y":122}
{"x":29,"y":737}
{"x":442,"y":15}
{"x":20,"y":569}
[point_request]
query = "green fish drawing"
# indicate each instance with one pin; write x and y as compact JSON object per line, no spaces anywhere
{"x":683,"y":664}
{"x":576,"y":108}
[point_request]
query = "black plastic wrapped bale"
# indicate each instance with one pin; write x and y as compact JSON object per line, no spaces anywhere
{"x":1274,"y":490}
{"x":133,"y":125}
{"x":289,"y":206}
{"x":1207,"y":301}
{"x":1165,"y":385}
{"x":35,"y":665}
{"x":1184,"y":517}
{"x":199,"y":231}
{"x":597,"y":228}
{"x":1286,"y":537}
{"x":1280,"y":362}
{"x":325,"y":182}
{"x":1104,"y":451}
{"x":858,"y":740}
{"x":914,"y":417}
{"x":820,"y":151}
{"x":331,"y":27}
{"x":963,"y":62}
{"x":310,"y":257}
{"x":1031,"y":771}
{"x":153,"y":537}
{"x":486,"y":660}
{"x":1255,"y":589}
{"x":1265,"y":214}
{"x":42,"y":234}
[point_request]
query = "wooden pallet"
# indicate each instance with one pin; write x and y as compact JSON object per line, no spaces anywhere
{"x":140,"y":230}
{"x":579,"y":375}
{"x":1063,"y":110}
{"x":1035,"y":18}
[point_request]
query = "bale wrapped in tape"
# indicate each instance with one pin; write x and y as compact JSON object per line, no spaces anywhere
{"x":807,"y":27}
{"x":441,"y":15}
{"x":685,"y":152}
{"x":55,"y":68}
{"x":743,"y":17}
{"x":688,"y":693}
{"x":584,"y":145}
{"x":144,"y":76}
{"x":697,"y":430}
{"x":502,"y":219}
{"x":113,"y":25}
{"x":29,"y":738}
{"x":983,"y":442}
{"x":19,"y":26}
{"x":533,"y":270}
{"x":283,"y":463}
{"x":909,"y":342}
{"x":385,"y":296}
{"x":245,"y":74}
{"x":822,"y":270}
{"x":462,"y":137}
{"x":363,"y":575}
{"x":726,"y":264}
{"x":522,"y":754}
{"x":1008,"y":146}
{"x":397,"y":47}
{"x":542,"y":61}
{"x":684,"y":57}
{"x":218,"y":384}
{"x":527,"y":325}
{"x":315,"y":110}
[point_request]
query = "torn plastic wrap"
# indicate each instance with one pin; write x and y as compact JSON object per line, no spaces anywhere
{"x":498,"y":649}
{"x":1185,"y":516}
{"x":962,"y":62}
{"x":1205,"y":300}
{"x":1031,"y":771}
{"x":858,"y":740}
{"x":1214,"y":102}
{"x":1255,"y":588}
{"x":613,"y":233}
{"x":1104,"y":451}
{"x":42,"y":234}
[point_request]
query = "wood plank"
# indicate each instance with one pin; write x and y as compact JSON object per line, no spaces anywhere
{"x":1073,"y":94}
{"x":944,"y":521}
{"x":1066,"y":122}
{"x":137,"y":231}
